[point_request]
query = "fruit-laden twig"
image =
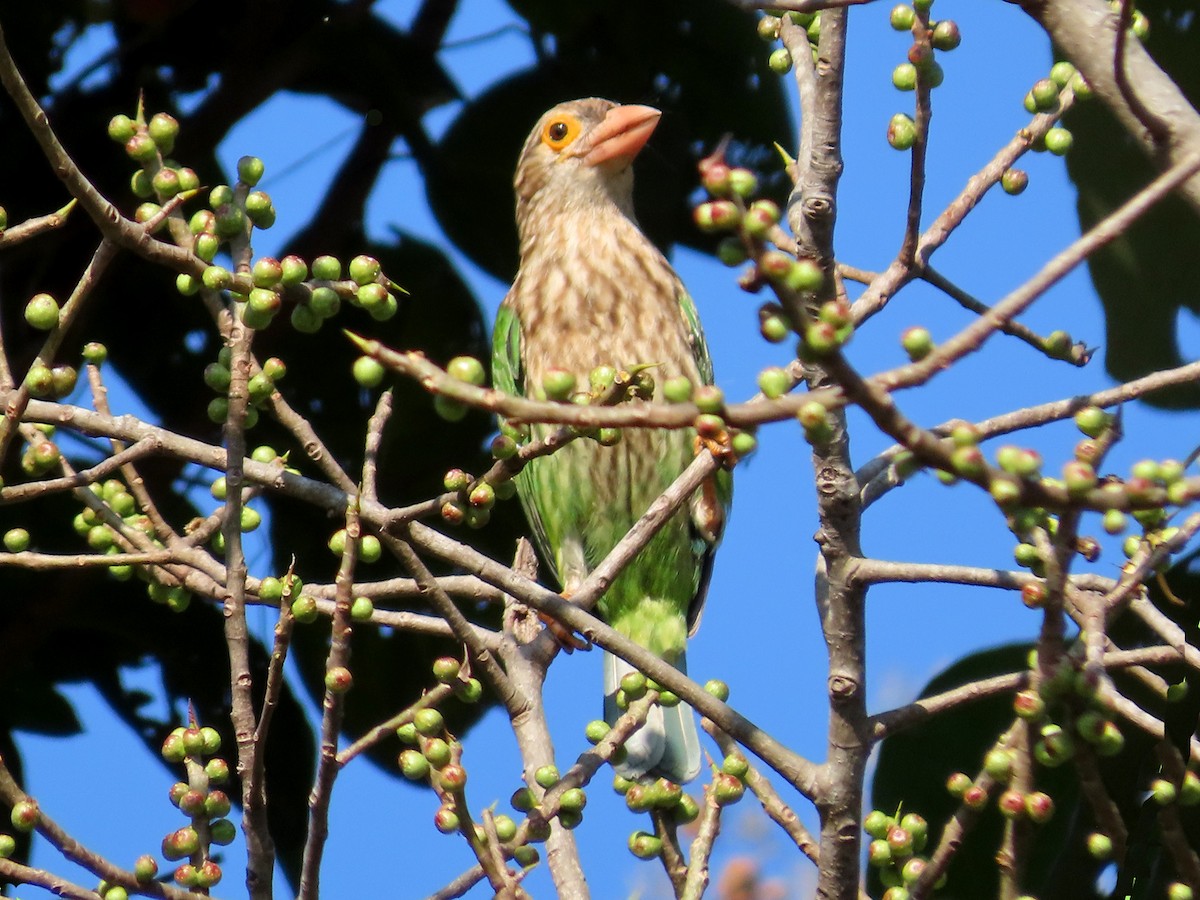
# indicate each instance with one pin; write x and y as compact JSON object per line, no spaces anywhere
{"x":1079,"y":354}
{"x":522,"y":410}
{"x":707,"y":829}
{"x":400,"y":542}
{"x":773,"y":805}
{"x":889,"y":722}
{"x":1174,"y":835}
{"x":387,"y":729}
{"x":972,"y":337}
{"x":580,"y":774}
{"x":32,"y":490}
{"x":876,"y":481}
{"x":1087,"y":33}
{"x":16,"y":405}
{"x":794,"y":768}
{"x":11,"y":794}
{"x":875,"y":400}
{"x":106,"y":217}
{"x":501,"y":470}
{"x":923,"y":113}
{"x":973,"y":801}
{"x":1134,"y":576}
{"x":898,"y":273}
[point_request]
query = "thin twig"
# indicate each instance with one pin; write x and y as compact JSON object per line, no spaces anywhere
{"x":923,"y":114}
{"x":886,"y":723}
{"x":70,"y":311}
{"x":1011,"y":328}
{"x":260,"y":855}
{"x":708,"y":827}
{"x":19,"y":493}
{"x":432,"y":699}
{"x":773,"y":805}
{"x":876,"y":481}
{"x":337,"y":662}
{"x":31,"y":228}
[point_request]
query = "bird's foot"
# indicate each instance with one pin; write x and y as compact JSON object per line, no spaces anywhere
{"x":567,"y":639}
{"x":720,"y":445}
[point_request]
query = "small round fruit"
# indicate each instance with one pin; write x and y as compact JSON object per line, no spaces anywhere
{"x":42,"y":312}
{"x":468,"y":369}
{"x":24,"y":815}
{"x":946,"y":35}
{"x":429,"y":722}
{"x":1059,"y":140}
{"x":250,"y":170}
{"x":917,"y":342}
{"x":413,"y":765}
{"x":902,"y":17}
{"x":780,"y":61}
{"x":16,"y":540}
{"x":717,"y":688}
{"x":364,"y":269}
{"x":1014,"y":181}
{"x":902,"y":132}
{"x":644,"y":845}
{"x":327,"y":268}
{"x":368,"y":371}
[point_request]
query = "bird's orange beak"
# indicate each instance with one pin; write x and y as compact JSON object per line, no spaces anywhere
{"x":621,"y":135}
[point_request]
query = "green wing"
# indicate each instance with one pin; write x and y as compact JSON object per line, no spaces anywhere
{"x":508,"y":375}
{"x":704,"y":363}
{"x":704,"y":542}
{"x":691,"y":319}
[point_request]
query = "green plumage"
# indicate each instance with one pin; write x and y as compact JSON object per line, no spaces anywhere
{"x":591,"y":291}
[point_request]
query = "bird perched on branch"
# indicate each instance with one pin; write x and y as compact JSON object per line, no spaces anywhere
{"x":593,"y":291}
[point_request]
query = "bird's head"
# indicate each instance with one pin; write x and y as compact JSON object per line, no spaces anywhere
{"x":580,"y":152}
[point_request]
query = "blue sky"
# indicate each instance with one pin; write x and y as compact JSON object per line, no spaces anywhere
{"x":760,"y":631}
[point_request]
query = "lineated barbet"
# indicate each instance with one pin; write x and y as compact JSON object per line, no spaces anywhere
{"x":593,"y":291}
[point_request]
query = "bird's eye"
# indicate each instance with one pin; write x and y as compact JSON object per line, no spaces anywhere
{"x":560,"y":131}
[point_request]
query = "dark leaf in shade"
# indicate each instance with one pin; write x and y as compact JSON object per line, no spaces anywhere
{"x":701,"y":63}
{"x":1150,"y":276}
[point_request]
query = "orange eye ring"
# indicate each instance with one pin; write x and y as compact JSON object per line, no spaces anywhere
{"x":560,"y":131}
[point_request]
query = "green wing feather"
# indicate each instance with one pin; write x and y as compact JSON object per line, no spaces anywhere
{"x":508,"y":375}
{"x":691,"y":319}
{"x":704,"y":363}
{"x":704,"y":545}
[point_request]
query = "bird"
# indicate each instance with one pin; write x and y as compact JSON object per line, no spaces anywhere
{"x":593,"y":291}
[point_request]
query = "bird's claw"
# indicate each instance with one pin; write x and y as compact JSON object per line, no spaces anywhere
{"x":720,"y":446}
{"x":567,"y":639}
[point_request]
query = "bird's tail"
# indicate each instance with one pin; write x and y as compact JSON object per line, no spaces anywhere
{"x":667,"y":745}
